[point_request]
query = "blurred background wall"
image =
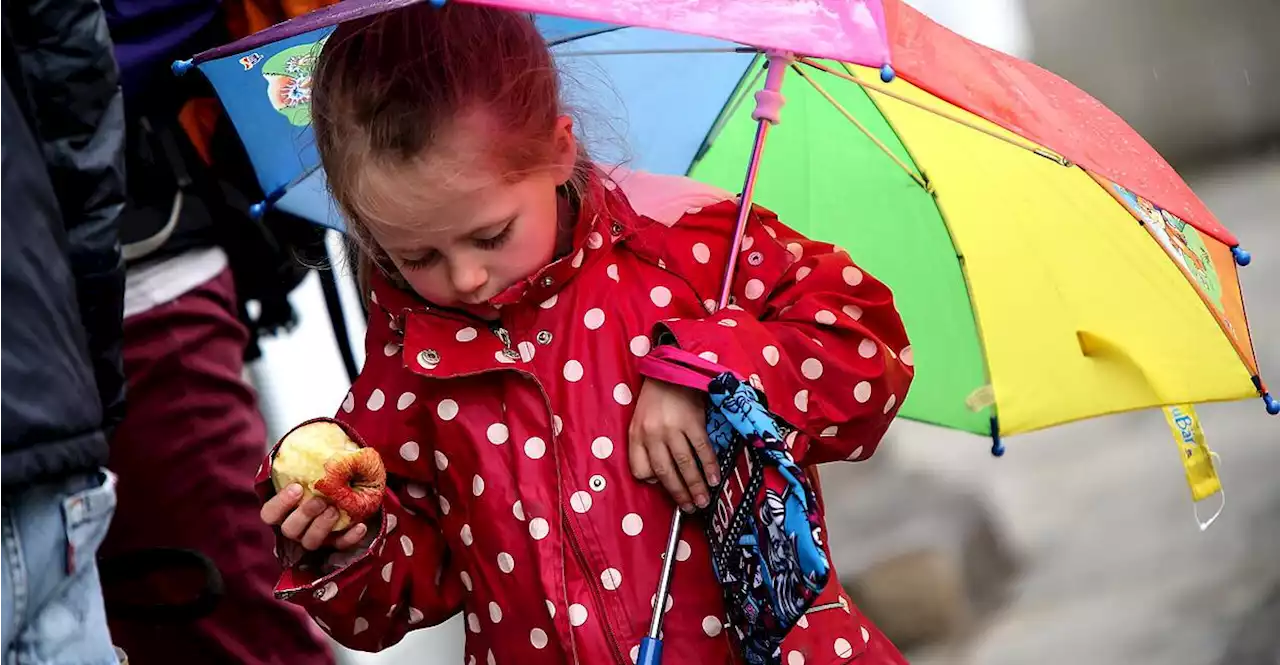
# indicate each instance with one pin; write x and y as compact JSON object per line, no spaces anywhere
{"x":1200,"y":80}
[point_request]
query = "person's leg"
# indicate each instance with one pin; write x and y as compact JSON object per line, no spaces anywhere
{"x":187,"y":454}
{"x":13,"y":586}
{"x":54,"y":611}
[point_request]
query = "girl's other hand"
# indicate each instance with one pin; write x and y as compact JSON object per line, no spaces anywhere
{"x":309,"y":524}
{"x":668,"y":440}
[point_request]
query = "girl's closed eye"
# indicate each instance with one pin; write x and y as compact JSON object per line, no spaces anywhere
{"x":495,"y":240}
{"x":418,"y":263}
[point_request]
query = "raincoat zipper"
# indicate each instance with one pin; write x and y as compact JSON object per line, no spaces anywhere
{"x":504,"y":337}
{"x":578,"y":554}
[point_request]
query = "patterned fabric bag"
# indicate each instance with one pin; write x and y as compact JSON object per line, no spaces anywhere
{"x":766,"y":543}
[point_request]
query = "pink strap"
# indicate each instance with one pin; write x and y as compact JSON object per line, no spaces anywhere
{"x":675,"y":365}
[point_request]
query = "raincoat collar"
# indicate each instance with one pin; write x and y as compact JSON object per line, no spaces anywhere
{"x":603,"y":218}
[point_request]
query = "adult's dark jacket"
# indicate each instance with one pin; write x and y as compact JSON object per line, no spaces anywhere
{"x":63,"y":279}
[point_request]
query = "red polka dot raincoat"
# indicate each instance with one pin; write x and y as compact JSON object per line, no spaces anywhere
{"x":510,"y":498}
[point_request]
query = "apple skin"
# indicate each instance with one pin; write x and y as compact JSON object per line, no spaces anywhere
{"x":326,"y":462}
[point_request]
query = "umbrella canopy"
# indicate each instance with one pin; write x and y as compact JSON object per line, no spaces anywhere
{"x":1050,"y":266}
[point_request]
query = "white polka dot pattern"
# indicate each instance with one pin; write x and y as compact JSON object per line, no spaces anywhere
{"x":509,"y":438}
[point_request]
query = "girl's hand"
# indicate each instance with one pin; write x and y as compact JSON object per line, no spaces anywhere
{"x":668,"y":439}
{"x":310,"y":523}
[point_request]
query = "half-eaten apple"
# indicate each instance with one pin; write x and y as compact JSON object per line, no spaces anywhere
{"x":321,"y":458}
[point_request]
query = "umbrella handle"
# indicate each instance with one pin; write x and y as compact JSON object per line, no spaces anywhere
{"x":650,"y":652}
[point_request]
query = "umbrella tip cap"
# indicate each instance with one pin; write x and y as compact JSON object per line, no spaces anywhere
{"x":180,"y":67}
{"x":1273,"y":405}
{"x":258,"y":210}
{"x":886,"y":73}
{"x":1241,"y":256}
{"x":997,"y":441}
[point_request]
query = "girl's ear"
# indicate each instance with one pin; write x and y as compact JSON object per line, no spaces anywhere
{"x":566,"y":149}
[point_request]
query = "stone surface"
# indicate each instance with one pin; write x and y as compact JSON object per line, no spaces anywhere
{"x":916,"y":598}
{"x":920,"y":556}
{"x":1256,"y":642}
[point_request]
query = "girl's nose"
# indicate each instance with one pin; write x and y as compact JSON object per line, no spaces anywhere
{"x":468,"y":279}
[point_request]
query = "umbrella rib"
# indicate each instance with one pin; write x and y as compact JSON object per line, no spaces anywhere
{"x":739,"y":96}
{"x":661,"y":51}
{"x":848,"y":76}
{"x":583,"y":35}
{"x":866,"y":132}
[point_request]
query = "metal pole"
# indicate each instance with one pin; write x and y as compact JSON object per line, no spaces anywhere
{"x":769,"y":102}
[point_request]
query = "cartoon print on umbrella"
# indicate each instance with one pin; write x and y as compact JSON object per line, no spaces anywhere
{"x":288,"y":75}
{"x":1181,"y":240}
{"x":1193,"y":251}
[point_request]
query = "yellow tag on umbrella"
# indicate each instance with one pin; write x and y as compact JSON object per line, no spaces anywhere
{"x":1197,"y":459}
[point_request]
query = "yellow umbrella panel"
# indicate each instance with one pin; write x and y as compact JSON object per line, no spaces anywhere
{"x":1035,"y":292}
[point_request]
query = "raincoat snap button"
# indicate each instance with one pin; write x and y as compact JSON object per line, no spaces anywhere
{"x":615,"y":228}
{"x":755,"y":258}
{"x":544,"y":337}
{"x":428,"y":358}
{"x":597,"y":482}
{"x":547,"y":282}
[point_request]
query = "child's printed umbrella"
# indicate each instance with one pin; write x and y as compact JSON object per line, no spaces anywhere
{"x":1049,"y":264}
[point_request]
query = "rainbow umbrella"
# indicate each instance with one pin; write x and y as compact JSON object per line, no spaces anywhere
{"x":1049,"y":264}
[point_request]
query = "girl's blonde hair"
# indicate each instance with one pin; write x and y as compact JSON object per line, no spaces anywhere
{"x":387,"y":88}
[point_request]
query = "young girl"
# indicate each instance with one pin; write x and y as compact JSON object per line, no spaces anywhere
{"x":514,"y":287}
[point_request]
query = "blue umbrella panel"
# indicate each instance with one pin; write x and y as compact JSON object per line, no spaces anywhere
{"x":636,"y":107}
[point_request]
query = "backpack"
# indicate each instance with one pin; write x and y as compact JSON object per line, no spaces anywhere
{"x":190,"y":183}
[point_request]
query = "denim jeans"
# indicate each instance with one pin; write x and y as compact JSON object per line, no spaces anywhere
{"x":53,"y":609}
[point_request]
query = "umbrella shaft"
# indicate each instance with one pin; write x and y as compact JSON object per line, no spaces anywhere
{"x":664,"y":580}
{"x":744,"y":212}
{"x":768,"y":102}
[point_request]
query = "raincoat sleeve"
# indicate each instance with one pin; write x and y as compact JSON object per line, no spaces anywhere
{"x":403,"y":578}
{"x":60,"y":65}
{"x":820,"y":336}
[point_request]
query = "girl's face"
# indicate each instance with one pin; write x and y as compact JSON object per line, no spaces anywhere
{"x":463,"y":239}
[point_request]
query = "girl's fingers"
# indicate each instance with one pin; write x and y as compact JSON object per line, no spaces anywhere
{"x":639,"y":458}
{"x":665,"y":469}
{"x":351,"y":537}
{"x":295,"y":525}
{"x":316,"y":534}
{"x":278,"y":507}
{"x":706,"y":454}
{"x":687,"y":464}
